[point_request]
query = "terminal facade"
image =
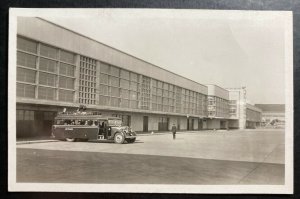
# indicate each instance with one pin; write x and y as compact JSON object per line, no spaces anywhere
{"x":58,"y":68}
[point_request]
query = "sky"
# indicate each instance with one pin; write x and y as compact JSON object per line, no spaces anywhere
{"x":226,"y":48}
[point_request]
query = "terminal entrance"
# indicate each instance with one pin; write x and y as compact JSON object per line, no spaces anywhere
{"x":190,"y":124}
{"x":200,"y":124}
{"x":163,"y":124}
{"x":145,"y":123}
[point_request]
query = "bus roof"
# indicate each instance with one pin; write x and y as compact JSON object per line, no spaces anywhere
{"x":85,"y":117}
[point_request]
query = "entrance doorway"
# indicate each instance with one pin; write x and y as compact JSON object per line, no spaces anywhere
{"x":163,"y":124}
{"x":200,"y":124}
{"x":190,"y":124}
{"x":145,"y":124}
{"x":223,"y":125}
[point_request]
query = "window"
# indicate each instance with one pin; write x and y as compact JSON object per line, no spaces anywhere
{"x":27,"y":60}
{"x":67,"y":57}
{"x":114,"y":102}
{"x":114,"y":81}
{"x":47,"y":79}
{"x":104,"y":68}
{"x":124,"y":84}
{"x":48,"y":65}
{"x":103,"y":90}
{"x":114,"y":71}
{"x":103,"y":100}
{"x":133,"y":104}
{"x":48,"y":51}
{"x":124,"y":93}
{"x":133,"y":95}
{"x":66,"y":69}
{"x":65,"y":95}
{"x":103,"y":78}
{"x":133,"y":86}
{"x":133,"y":77}
{"x":20,"y":115}
{"x":26,"y":45}
{"x":24,"y":90}
{"x":66,"y":82}
{"x":26,"y":75}
{"x":124,"y":103}
{"x":115,"y":92}
{"x":47,"y":93}
{"x":124,"y":74}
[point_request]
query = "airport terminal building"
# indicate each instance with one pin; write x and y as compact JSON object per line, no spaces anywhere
{"x":58,"y":68}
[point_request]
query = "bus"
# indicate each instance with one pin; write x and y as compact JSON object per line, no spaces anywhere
{"x":89,"y":127}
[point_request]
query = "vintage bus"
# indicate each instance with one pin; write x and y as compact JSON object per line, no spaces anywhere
{"x":80,"y":126}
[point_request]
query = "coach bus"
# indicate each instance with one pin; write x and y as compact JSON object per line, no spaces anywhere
{"x":74,"y":126}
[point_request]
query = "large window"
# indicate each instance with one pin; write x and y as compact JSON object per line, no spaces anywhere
{"x":87,"y":83}
{"x":42,"y":69}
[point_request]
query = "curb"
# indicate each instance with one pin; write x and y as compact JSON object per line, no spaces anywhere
{"x":35,"y":141}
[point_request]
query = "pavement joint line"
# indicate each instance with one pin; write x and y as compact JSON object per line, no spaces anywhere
{"x":259,"y":164}
{"x":35,"y":141}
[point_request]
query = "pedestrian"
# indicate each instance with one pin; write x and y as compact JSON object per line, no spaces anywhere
{"x":174,"y":131}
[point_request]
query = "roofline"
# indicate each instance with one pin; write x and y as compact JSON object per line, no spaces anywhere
{"x":217,"y":86}
{"x":117,"y":49}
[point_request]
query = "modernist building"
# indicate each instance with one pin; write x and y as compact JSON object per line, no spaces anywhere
{"x":218,"y":107}
{"x":58,"y":68}
{"x":242,"y":114}
{"x":272,"y":114}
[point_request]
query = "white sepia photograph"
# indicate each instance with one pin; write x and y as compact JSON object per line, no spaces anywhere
{"x":150,"y":101}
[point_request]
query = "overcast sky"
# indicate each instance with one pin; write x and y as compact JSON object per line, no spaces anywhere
{"x":230,"y":49}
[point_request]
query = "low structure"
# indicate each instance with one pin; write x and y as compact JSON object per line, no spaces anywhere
{"x":272,"y":114}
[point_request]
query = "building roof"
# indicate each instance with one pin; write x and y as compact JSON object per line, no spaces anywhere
{"x":271,"y":107}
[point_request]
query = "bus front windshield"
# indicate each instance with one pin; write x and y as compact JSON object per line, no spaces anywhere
{"x":114,"y":122}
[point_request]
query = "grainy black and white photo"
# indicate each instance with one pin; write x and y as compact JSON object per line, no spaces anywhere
{"x":150,"y":100}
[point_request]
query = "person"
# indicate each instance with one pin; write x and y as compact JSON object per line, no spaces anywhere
{"x":174,"y":131}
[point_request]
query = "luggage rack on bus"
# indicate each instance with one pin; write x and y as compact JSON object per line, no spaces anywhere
{"x":80,"y":111}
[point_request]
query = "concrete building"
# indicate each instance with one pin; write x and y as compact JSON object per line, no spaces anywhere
{"x":218,"y":107}
{"x":58,"y":68}
{"x":272,"y":114}
{"x":242,"y":114}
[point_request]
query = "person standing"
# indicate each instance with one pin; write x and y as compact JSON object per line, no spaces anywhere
{"x":174,"y":131}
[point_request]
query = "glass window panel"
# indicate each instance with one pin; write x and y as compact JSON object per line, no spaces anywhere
{"x":48,"y":51}
{"x":66,"y":82}
{"x":24,"y":90}
{"x":166,"y":86}
{"x":66,"y":96}
{"x":114,"y":71}
{"x":26,"y":45}
{"x":133,"y":104}
{"x":124,"y":74}
{"x":159,"y":100}
{"x":27,"y":60}
{"x":133,"y":77}
{"x":47,"y":79}
{"x":166,"y":93}
{"x":159,"y":92}
{"x":114,"y":81}
{"x":29,"y":115}
{"x":104,"y":68}
{"x":114,"y":102}
{"x":133,"y":86}
{"x":153,"y":98}
{"x":67,"y":57}
{"x":124,"y":103}
{"x":26,"y":75}
{"x":66,"y":69}
{"x":124,"y":83}
{"x":46,"y":93}
{"x":124,"y":93}
{"x":48,"y":65}
{"x":115,"y":91}
{"x":103,"y":100}
{"x":159,"y":84}
{"x":103,"y":90}
{"x":154,"y":83}
{"x":133,"y":95}
{"x":103,"y":78}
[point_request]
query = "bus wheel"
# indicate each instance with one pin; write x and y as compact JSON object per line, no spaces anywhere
{"x":119,"y":138}
{"x":70,"y":139}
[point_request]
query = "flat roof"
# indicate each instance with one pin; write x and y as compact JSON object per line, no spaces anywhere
{"x":118,"y":50}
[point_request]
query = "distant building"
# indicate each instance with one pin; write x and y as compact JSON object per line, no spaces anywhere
{"x":242,"y":114}
{"x":272,"y":114}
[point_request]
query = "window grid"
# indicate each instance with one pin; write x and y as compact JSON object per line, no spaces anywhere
{"x":46,"y":69}
{"x":87,"y":81}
